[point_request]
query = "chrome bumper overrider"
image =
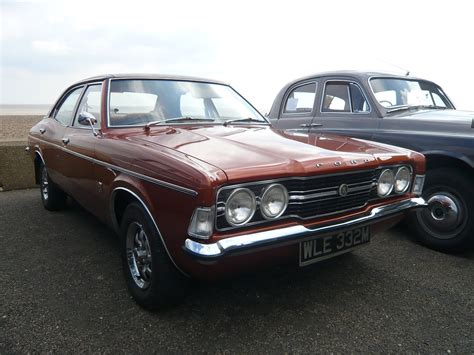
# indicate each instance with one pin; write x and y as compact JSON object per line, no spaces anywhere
{"x":287,"y":235}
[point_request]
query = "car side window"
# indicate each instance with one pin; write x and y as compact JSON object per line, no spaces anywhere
{"x":438,"y":100}
{"x":344,"y":97}
{"x":66,"y":109}
{"x":90,"y":103}
{"x":301,"y":99}
{"x":336,"y":98}
{"x":358,"y":101}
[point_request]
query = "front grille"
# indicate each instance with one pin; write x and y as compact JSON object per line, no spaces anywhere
{"x":311,"y":197}
{"x":320,"y":196}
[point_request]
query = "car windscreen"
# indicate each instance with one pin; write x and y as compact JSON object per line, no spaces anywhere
{"x":136,"y":102}
{"x":396,"y":92}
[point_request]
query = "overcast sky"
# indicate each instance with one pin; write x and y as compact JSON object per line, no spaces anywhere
{"x":255,"y":46}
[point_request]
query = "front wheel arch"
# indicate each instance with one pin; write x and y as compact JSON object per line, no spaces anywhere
{"x":38,"y":160}
{"x":454,"y":185}
{"x":436,"y":160}
{"x":123,"y":197}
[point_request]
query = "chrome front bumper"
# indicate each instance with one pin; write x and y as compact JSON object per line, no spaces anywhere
{"x":287,"y":235}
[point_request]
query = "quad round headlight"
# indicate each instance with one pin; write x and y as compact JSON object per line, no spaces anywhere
{"x":274,"y":201}
{"x":240,"y":207}
{"x":402,"y":180}
{"x":385,"y":183}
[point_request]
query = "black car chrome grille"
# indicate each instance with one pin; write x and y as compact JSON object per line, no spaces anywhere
{"x":311,"y":197}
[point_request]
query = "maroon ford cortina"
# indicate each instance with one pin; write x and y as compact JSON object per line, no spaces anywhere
{"x":198,"y":184}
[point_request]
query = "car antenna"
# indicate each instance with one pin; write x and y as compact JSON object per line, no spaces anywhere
{"x":407,"y":72}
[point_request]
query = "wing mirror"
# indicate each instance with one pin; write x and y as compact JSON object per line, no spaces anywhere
{"x":87,"y":119}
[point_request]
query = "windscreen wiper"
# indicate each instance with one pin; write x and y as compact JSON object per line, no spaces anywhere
{"x":178,"y":119}
{"x":402,"y":108}
{"x":248,"y":119}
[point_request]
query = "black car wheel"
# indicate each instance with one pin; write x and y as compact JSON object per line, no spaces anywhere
{"x":447,"y":224}
{"x":151,"y":277}
{"x":52,"y":196}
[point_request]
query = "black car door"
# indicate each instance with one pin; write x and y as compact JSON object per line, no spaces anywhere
{"x":343,"y":108}
{"x":298,"y":106}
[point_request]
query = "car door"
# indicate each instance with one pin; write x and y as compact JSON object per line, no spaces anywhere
{"x":80,"y":142}
{"x":52,"y":134}
{"x":344,"y":109}
{"x":298,"y":106}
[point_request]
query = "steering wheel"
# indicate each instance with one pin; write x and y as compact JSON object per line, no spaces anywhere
{"x":385,"y":101}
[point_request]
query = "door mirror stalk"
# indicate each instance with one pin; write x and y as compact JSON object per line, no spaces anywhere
{"x":88,"y":119}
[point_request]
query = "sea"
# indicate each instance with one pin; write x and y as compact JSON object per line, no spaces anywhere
{"x":10,"y":110}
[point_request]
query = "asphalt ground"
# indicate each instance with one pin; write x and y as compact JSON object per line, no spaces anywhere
{"x":62,"y":290}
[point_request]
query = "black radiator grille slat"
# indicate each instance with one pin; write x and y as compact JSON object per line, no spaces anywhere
{"x":335,"y":203}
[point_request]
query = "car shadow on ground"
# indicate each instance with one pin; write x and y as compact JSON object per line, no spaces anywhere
{"x":257,"y":289}
{"x":324,"y":284}
{"x":403,"y":232}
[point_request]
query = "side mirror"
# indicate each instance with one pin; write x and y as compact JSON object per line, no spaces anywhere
{"x":87,"y":119}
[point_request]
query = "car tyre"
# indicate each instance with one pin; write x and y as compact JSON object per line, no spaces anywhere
{"x":151,"y":277}
{"x":52,"y":196}
{"x":447,"y":224}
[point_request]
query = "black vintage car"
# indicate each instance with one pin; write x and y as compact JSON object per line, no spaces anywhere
{"x":398,"y":110}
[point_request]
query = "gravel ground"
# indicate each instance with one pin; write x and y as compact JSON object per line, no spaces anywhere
{"x":62,"y":290}
{"x":16,"y":127}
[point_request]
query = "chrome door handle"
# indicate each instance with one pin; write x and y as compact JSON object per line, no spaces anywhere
{"x":65,"y":140}
{"x":42,"y":130}
{"x":311,"y":125}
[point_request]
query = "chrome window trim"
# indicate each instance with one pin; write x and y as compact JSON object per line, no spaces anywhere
{"x":61,"y":100}
{"x":158,"y":182}
{"x":112,"y":209}
{"x":79,"y":102}
{"x":109,"y":82}
{"x":349,"y":81}
{"x":293,"y":88}
{"x":404,"y":78}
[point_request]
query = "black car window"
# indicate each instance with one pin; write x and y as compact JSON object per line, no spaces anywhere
{"x":66,"y":109}
{"x":91,"y":103}
{"x":301,"y":99}
{"x":358,"y":101}
{"x":336,"y":98}
{"x":344,"y":97}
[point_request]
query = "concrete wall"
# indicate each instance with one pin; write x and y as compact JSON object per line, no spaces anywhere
{"x":16,"y":167}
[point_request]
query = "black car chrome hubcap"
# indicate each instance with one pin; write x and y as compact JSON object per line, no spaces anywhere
{"x":445,"y":216}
